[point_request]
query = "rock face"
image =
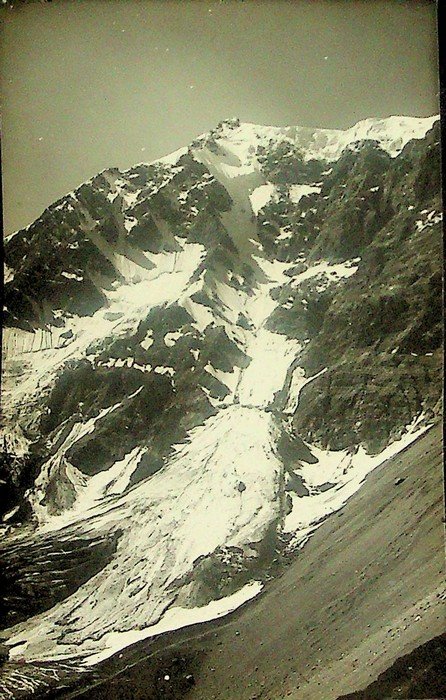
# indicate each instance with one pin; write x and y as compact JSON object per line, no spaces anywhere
{"x":203,"y":358}
{"x":380,"y":334}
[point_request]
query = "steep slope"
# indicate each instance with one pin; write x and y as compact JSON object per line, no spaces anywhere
{"x":366,"y":589}
{"x":419,"y":674}
{"x":191,"y":383}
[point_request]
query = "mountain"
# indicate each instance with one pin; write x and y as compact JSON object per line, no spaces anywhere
{"x":203,"y":359}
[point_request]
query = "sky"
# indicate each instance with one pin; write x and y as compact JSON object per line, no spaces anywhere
{"x":91,"y":84}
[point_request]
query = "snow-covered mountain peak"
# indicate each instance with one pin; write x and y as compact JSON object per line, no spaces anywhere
{"x":241,"y":142}
{"x":392,"y":133}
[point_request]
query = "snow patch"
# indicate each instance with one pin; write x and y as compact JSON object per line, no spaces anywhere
{"x":72,"y":276}
{"x":176,"y":618}
{"x":160,"y":369}
{"x":171,"y":338}
{"x":130,"y":222}
{"x":298,"y":191}
{"x":346,"y":471}
{"x":261,"y":196}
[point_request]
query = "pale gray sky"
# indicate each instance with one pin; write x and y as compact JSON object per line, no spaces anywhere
{"x":90,"y":84}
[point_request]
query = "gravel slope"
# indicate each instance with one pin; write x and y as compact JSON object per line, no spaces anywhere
{"x":420,"y":674}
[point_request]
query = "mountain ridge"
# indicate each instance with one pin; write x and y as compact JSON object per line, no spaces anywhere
{"x":359,"y":127}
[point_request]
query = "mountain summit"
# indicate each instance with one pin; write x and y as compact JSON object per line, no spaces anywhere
{"x":203,"y":358}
